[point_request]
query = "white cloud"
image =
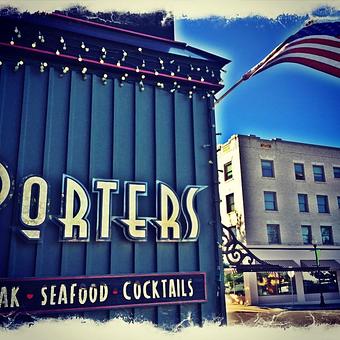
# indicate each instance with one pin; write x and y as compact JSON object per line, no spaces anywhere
{"x":188,"y":8}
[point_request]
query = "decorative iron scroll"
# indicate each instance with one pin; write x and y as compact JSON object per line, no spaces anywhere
{"x":235,"y":252}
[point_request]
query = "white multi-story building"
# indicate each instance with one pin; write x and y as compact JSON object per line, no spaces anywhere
{"x":281,"y":198}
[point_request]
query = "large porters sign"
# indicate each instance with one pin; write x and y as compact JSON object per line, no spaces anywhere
{"x":101,"y":292}
{"x":108,"y":173}
{"x":76,"y":203}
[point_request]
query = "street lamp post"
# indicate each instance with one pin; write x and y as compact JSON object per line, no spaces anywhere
{"x":291,"y":274}
{"x":322,"y":300}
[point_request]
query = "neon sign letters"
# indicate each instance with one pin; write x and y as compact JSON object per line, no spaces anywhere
{"x":76,"y":204}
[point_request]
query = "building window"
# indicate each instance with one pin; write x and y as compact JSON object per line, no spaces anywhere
{"x":306,"y":232}
{"x":328,"y":282}
{"x":228,"y":171}
{"x":303,"y":202}
{"x":267,"y":168}
{"x":322,"y":201}
{"x":319,"y":173}
{"x":273,"y":233}
{"x":336,"y":171}
{"x":326,"y":234}
{"x":338,"y":198}
{"x":230,"y":203}
{"x":270,"y":200}
{"x":299,"y":171}
{"x":275,"y":284}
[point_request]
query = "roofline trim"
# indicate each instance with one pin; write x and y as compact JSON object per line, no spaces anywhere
{"x":221,"y":60}
{"x":109,"y":65}
{"x":285,"y":141}
{"x":123,"y":30}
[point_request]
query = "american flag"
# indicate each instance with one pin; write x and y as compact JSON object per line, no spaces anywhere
{"x":316,"y":45}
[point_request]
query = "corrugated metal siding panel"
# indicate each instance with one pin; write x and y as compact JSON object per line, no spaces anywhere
{"x":167,"y":254}
{"x":185,"y":174}
{"x":122,"y":252}
{"x":145,"y":260}
{"x":204,"y":176}
{"x":89,"y":130}
{"x":11,"y":94}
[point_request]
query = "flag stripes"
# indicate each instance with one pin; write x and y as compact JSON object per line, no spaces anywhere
{"x":318,"y":51}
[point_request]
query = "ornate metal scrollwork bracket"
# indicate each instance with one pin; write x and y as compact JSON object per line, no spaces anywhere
{"x":235,"y":253}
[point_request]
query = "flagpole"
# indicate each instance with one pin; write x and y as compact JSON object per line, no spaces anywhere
{"x":252,"y":71}
{"x":229,"y":90}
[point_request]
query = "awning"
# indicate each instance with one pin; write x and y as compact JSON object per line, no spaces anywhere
{"x":270,"y":266}
{"x":332,"y":264}
{"x":287,"y":265}
{"x":283,"y":263}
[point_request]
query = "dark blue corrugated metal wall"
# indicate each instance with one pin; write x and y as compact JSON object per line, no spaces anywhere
{"x":50,"y":125}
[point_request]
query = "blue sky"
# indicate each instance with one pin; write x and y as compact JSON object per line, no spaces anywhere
{"x":288,"y":101}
